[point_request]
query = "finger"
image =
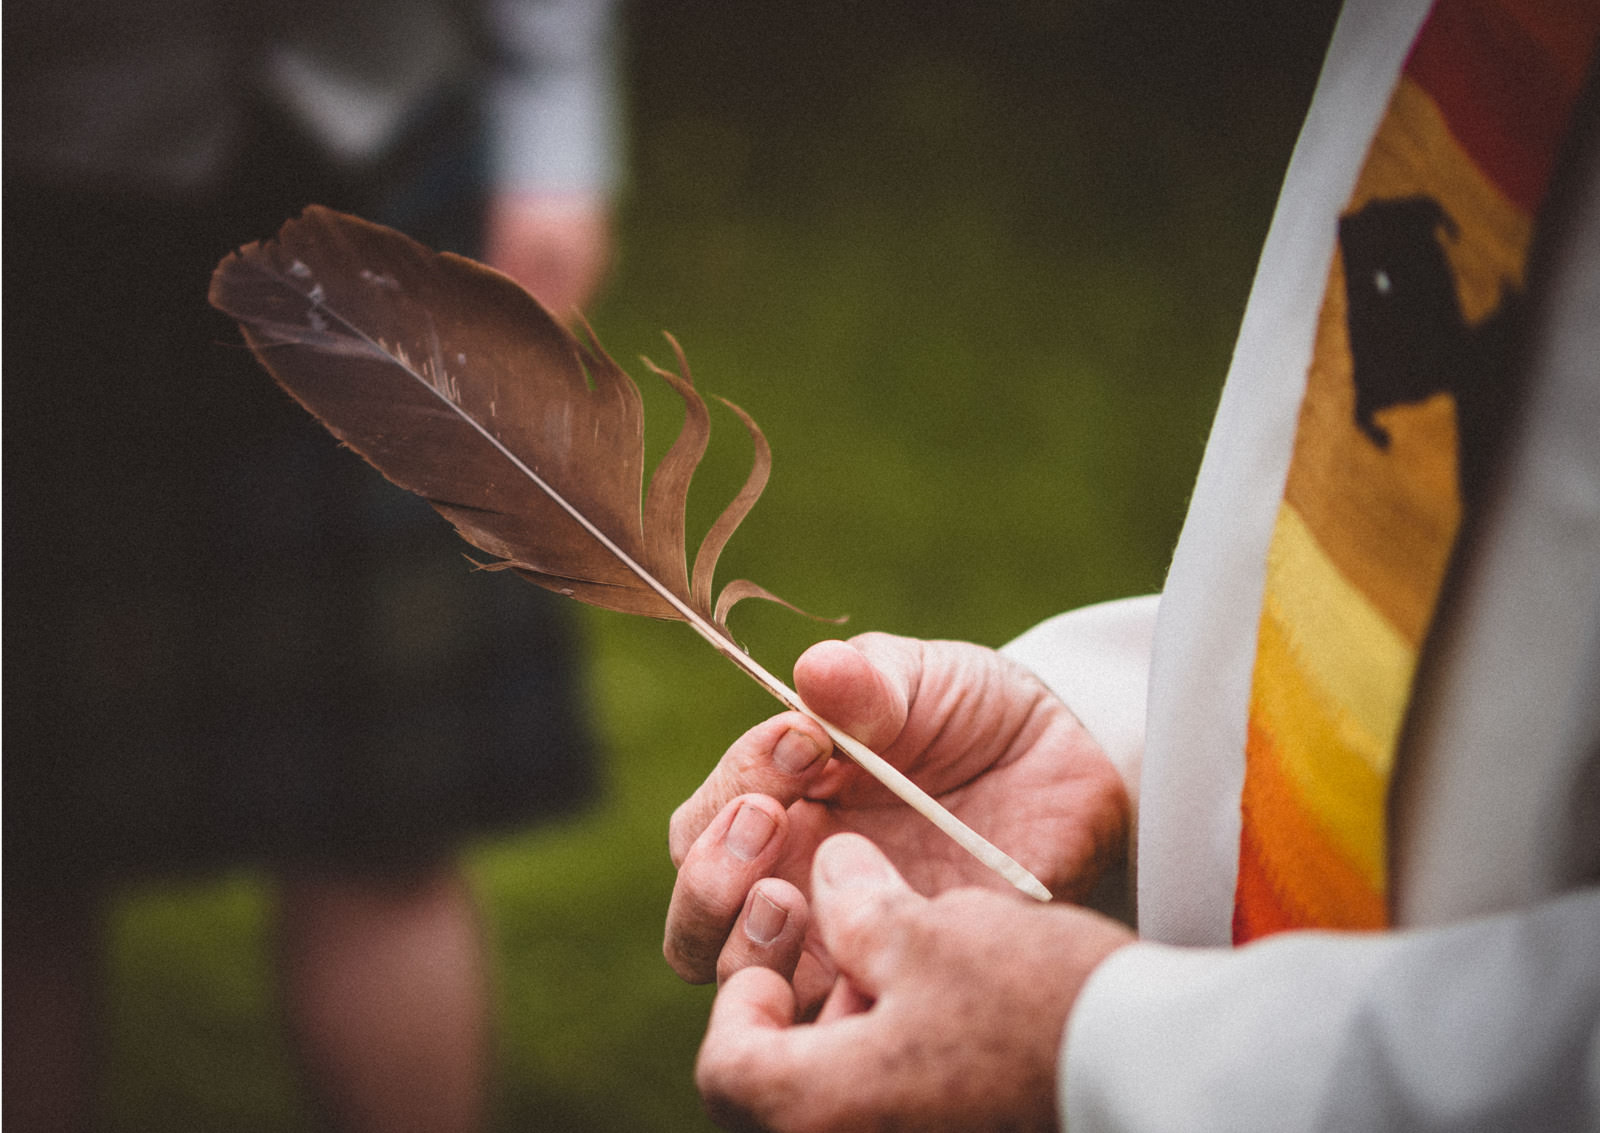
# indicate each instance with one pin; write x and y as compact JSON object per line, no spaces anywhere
{"x":738,"y":848}
{"x":770,"y":931}
{"x":863,"y":685}
{"x":743,"y":1060}
{"x":859,"y":903}
{"x":814,"y":977}
{"x":845,"y":998}
{"x":776,"y":758}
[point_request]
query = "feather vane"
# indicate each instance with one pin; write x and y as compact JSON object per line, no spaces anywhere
{"x":457,"y":385}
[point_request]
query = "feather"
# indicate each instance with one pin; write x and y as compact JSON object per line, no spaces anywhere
{"x":457,"y":385}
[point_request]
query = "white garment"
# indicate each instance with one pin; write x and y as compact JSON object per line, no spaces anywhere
{"x":1482,"y":1011}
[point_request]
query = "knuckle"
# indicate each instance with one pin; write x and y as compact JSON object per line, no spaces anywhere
{"x":687,"y":958}
{"x":713,"y":1078}
{"x":702,"y":912}
{"x":719,"y":1068}
{"x":726,"y":1077}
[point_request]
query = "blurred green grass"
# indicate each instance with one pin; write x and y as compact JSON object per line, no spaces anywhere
{"x":976,"y":270}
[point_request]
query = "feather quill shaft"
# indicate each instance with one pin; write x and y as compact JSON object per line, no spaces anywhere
{"x":457,"y":385}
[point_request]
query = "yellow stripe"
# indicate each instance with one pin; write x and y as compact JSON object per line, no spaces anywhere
{"x":1334,"y":784}
{"x":1350,"y":655}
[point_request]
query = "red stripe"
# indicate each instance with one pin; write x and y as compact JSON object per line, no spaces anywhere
{"x":1258,"y":909}
{"x":1505,"y":74}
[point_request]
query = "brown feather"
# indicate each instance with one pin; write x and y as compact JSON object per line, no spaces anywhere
{"x":457,"y":385}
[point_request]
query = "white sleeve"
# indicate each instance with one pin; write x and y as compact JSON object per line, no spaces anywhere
{"x":555,"y":116}
{"x":1489,"y":1024}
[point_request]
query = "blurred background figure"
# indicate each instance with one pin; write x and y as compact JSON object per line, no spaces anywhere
{"x":227,"y":641}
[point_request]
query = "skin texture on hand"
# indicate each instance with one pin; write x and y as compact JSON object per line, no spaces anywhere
{"x":972,"y":728}
{"x":947,"y":1015}
{"x":556,"y":245}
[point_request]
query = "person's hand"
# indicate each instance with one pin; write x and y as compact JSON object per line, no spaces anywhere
{"x":975,"y":730}
{"x":557,"y":246}
{"x":948,"y":1014}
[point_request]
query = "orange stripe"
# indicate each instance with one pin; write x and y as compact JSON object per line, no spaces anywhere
{"x":1257,"y":911}
{"x":1299,"y":863}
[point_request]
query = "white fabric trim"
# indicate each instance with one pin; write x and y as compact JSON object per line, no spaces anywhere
{"x":1205,"y":640}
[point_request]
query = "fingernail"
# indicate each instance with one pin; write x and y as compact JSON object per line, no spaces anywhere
{"x":796,"y":752}
{"x":766,"y":920}
{"x":752,"y":829}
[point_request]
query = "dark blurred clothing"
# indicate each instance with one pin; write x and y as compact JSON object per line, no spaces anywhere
{"x":159,"y":96}
{"x":226,"y":638}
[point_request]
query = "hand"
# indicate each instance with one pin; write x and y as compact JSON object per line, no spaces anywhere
{"x":948,"y":1014}
{"x":978,"y":732}
{"x":558,"y":246}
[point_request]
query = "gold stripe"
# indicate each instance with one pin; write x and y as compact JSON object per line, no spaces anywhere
{"x":1335,"y":785}
{"x":1347,"y":652}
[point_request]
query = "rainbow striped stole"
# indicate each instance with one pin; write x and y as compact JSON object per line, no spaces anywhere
{"x":1401,"y":405}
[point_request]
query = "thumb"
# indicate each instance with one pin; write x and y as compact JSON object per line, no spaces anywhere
{"x":745,"y":1057}
{"x":860,"y":902}
{"x":863,"y":685}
